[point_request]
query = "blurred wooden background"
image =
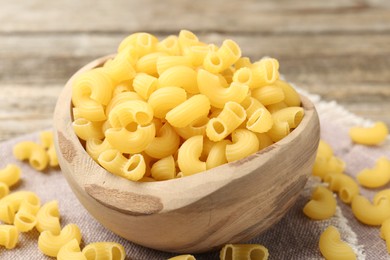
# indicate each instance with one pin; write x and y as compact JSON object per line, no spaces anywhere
{"x":339,"y":49}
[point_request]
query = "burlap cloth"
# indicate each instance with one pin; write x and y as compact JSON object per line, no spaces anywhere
{"x":294,"y":237}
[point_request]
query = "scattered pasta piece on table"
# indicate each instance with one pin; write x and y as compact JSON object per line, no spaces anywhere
{"x":332,"y":247}
{"x":373,"y":135}
{"x":322,"y":204}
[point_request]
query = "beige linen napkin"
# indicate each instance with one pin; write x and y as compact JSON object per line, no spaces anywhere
{"x":294,"y":237}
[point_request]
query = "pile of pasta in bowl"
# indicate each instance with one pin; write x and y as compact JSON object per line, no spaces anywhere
{"x":159,"y":110}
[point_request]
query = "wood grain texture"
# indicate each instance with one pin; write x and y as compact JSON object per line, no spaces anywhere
{"x":337,"y":48}
{"x":215,"y":207}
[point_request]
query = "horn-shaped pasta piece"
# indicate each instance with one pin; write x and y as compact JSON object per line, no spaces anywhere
{"x":332,"y":247}
{"x":322,"y":204}
{"x":291,"y":96}
{"x":180,"y":76}
{"x":10,"y":175}
{"x":229,"y":52}
{"x":11,"y":203}
{"x":120,"y":68}
{"x":148,"y":63}
{"x":104,"y":250}
{"x":95,"y":147}
{"x":376,"y":177}
{"x":373,"y":135}
{"x":292,"y":115}
{"x":371,"y":213}
{"x":265,"y":72}
{"x":34,"y":152}
{"x":9,"y":236}
{"x":183,"y":257}
{"x":188,"y":156}
{"x":268,"y":95}
{"x":165,"y":99}
{"x":50,"y":244}
{"x":71,"y":250}
{"x":86,"y":129}
{"x":145,"y":85}
{"x":198,"y":127}
{"x":166,"y":62}
{"x":25,"y":219}
{"x":128,"y":112}
{"x":244,"y":143}
{"x":121,"y":98}
{"x":209,"y":85}
{"x":244,"y":252}
{"x":279,"y":130}
{"x":197,"y":106}
{"x":187,"y":39}
{"x":380,"y":195}
{"x":164,"y":144}
{"x":230,"y":118}
{"x":131,"y":141}
{"x":344,"y":184}
{"x":164,"y":169}
{"x":243,"y":76}
{"x":48,"y":218}
{"x":169,"y":45}
{"x":217,"y":155}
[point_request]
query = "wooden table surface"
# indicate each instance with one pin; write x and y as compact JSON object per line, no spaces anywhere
{"x":339,"y":49}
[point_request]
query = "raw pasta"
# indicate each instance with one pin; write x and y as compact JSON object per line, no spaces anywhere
{"x":10,"y":175}
{"x":9,"y":236}
{"x":322,"y":204}
{"x":104,"y":250}
{"x":244,"y":252}
{"x":376,"y":177}
{"x":371,"y":135}
{"x":332,"y":247}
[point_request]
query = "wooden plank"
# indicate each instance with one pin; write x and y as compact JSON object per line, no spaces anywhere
{"x":248,"y":16}
{"x":306,"y":59}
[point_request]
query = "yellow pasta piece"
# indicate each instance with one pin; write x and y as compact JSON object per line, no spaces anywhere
{"x":71,"y":250}
{"x":46,"y":138}
{"x":216,"y":155}
{"x":85,"y":129}
{"x":130,"y":112}
{"x":183,"y":257}
{"x":11,"y":204}
{"x":279,"y":130}
{"x":166,"y":62}
{"x":291,"y":96}
{"x":292,"y":115}
{"x":187,"y":39}
{"x":148,"y":63}
{"x":276,"y":107}
{"x":229,"y":52}
{"x":230,"y":118}
{"x":10,"y":175}
{"x":145,"y":85}
{"x":322,"y":166}
{"x":126,"y":86}
{"x":132,"y":169}
{"x":243,"y":76}
{"x":371,"y":135}
{"x":143,"y":43}
{"x":164,"y":169}
{"x":322,"y":204}
{"x":180,"y":76}
{"x":165,"y":99}
{"x":344,"y":184}
{"x":260,"y":121}
{"x":209,"y":85}
{"x":164,"y":144}
{"x":188,"y":156}
{"x":121,"y":98}
{"x":95,"y":147}
{"x":25,"y":219}
{"x":4,"y":190}
{"x":265,"y":72}
{"x":244,"y":144}
{"x":324,"y":150}
{"x":332,"y":247}
{"x":196,"y":54}
{"x":104,"y":250}
{"x":169,"y":45}
{"x":244,"y":252}
{"x":380,"y":195}
{"x":50,"y":244}
{"x":376,"y":177}
{"x":368,"y":213}
{"x":48,"y":218}
{"x":243,"y":62}
{"x":385,"y":233}
{"x":9,"y":236}
{"x":120,"y":68}
{"x":35,"y":154}
{"x":264,"y":140}
{"x":131,"y":141}
{"x":94,"y":85}
{"x":90,"y":111}
{"x":195,"y":107}
{"x":213,"y":63}
{"x":198,"y":127}
{"x":268,"y":95}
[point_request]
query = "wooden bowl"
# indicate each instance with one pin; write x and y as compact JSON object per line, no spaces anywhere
{"x":228,"y":204}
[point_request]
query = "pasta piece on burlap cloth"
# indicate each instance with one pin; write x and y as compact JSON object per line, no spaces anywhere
{"x":294,"y":237}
